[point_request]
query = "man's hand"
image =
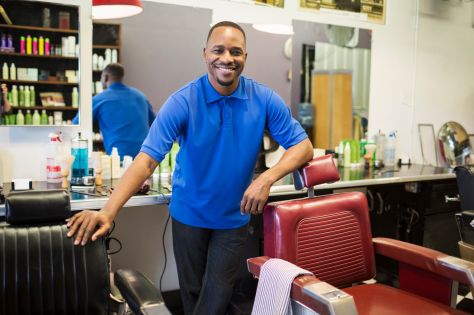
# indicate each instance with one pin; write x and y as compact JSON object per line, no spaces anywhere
{"x":88,"y":223}
{"x":256,"y":196}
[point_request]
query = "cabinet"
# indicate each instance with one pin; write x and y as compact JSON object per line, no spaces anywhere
{"x":40,"y":50}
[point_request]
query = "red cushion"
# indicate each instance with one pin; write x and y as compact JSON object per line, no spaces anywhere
{"x":320,"y":170}
{"x":377,"y":299}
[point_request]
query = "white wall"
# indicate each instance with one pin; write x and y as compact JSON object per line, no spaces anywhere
{"x":420,"y":72}
{"x":23,"y":149}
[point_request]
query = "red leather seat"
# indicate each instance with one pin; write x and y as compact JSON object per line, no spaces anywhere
{"x":331,"y":237}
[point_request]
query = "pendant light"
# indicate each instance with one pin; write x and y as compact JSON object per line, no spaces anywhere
{"x":115,"y":9}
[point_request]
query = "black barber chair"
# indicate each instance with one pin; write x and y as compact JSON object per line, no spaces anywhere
{"x":43,"y":272}
{"x":465,"y":180}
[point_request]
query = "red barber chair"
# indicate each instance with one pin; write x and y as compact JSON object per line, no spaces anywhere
{"x":43,"y":272}
{"x":331,"y":237}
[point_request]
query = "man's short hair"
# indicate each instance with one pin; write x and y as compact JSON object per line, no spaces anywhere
{"x":115,"y":70}
{"x":226,"y":23}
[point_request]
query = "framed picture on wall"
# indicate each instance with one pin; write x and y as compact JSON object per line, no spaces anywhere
{"x":365,"y":10}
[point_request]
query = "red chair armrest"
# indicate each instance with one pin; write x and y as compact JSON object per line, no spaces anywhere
{"x":427,"y":259}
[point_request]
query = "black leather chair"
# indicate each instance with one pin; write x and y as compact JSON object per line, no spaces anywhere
{"x":43,"y":272}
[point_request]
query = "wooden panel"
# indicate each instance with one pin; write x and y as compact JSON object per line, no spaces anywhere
{"x":320,"y":98}
{"x":331,"y":96}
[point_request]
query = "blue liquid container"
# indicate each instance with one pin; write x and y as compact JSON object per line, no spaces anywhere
{"x":80,"y":167}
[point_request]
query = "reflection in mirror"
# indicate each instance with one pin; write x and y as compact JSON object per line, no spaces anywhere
{"x":454,"y":144}
{"x":331,"y":94}
{"x":39,"y":53}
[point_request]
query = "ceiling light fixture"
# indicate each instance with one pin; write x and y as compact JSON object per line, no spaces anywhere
{"x":115,"y":9}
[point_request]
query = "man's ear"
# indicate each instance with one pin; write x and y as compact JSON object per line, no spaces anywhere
{"x":204,"y":53}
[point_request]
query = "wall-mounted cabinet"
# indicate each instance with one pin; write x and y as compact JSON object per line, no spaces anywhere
{"x":39,"y":55}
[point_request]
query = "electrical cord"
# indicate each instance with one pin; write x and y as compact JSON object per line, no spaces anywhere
{"x":163,"y":243}
{"x":109,"y":239}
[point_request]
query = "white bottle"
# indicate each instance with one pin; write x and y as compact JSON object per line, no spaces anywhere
{"x":347,"y":155}
{"x":27,"y":96}
{"x":54,"y":152}
{"x":114,"y":55}
{"x":106,"y":167}
{"x":108,"y":57}
{"x":12,"y":72}
{"x":115,"y":163}
{"x":75,"y":97}
{"x":36,"y":118}
{"x":95,"y":59}
{"x":14,"y":96}
{"x":5,"y":71}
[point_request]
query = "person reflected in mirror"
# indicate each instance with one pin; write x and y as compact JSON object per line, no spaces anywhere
{"x":219,"y":121}
{"x":5,"y":104}
{"x":124,"y":113}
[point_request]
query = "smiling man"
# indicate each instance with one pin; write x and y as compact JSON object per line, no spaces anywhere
{"x":218,"y":120}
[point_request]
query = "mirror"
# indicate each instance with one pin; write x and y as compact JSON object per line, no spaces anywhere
{"x":40,"y":60}
{"x":170,"y":55}
{"x":331,"y":81}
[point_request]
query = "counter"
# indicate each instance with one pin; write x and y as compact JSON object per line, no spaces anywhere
{"x":350,"y":177}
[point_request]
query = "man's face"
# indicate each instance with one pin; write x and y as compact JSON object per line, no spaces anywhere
{"x":225,"y":56}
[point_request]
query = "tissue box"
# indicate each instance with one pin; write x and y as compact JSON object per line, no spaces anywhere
{"x":33,"y":74}
{"x":22,"y":74}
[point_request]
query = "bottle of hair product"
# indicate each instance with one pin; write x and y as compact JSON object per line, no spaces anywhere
{"x":115,"y":163}
{"x":35,"y":45}
{"x":22,"y":45}
{"x":28,"y":118}
{"x":44,"y":117}
{"x":27,"y":96}
{"x":12,"y":71}
{"x":55,"y":150}
{"x":29,"y":45}
{"x":14,"y":96}
{"x":21,"y":96}
{"x":5,"y":71}
{"x":75,"y":97}
{"x":32,"y":96}
{"x":20,"y":119}
{"x":47,"y":47}
{"x":41,"y":46}
{"x":347,"y":154}
{"x":36,"y":118}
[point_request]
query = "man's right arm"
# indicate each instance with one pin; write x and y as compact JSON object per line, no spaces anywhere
{"x":92,"y":223}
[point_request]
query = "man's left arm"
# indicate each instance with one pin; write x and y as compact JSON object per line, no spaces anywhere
{"x":257,"y":193}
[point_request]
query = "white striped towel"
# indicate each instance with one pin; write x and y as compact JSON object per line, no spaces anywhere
{"x":274,"y":287}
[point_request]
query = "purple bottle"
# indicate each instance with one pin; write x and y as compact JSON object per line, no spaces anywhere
{"x":3,"y":43}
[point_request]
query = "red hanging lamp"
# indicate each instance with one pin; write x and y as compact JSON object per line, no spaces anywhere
{"x":115,"y":9}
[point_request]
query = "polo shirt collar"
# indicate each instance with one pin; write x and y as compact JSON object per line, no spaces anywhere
{"x":212,"y":95}
{"x":116,"y":85}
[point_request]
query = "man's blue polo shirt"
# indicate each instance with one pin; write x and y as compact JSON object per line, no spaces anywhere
{"x":124,"y":115}
{"x":219,"y":138}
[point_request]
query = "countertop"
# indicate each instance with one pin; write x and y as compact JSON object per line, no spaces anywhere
{"x":161,"y":194}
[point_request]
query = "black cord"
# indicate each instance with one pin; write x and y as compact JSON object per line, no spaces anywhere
{"x":109,"y":238}
{"x":163,"y":243}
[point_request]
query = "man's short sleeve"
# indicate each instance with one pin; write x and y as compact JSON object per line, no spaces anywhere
{"x":168,"y":125}
{"x":282,"y":126}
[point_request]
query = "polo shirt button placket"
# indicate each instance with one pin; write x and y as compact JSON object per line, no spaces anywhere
{"x":226,"y":113}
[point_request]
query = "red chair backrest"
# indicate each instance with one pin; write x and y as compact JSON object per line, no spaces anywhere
{"x":327,"y":235}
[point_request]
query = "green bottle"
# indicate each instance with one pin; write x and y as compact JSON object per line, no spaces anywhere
{"x":44,"y":117}
{"x":28,"y":118}
{"x":20,"y":119}
{"x":21,"y":96}
{"x":12,"y":119}
{"x":32,"y":96}
{"x":36,"y":118}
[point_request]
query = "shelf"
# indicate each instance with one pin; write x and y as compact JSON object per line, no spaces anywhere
{"x":69,"y":108}
{"x":372,"y":4}
{"x":37,"y":28}
{"x":105,"y":46}
{"x":38,"y":82}
{"x":37,"y":56}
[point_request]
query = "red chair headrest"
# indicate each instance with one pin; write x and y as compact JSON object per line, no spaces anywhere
{"x":319,"y":170}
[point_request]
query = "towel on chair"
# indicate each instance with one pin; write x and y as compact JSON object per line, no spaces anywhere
{"x":274,"y":287}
